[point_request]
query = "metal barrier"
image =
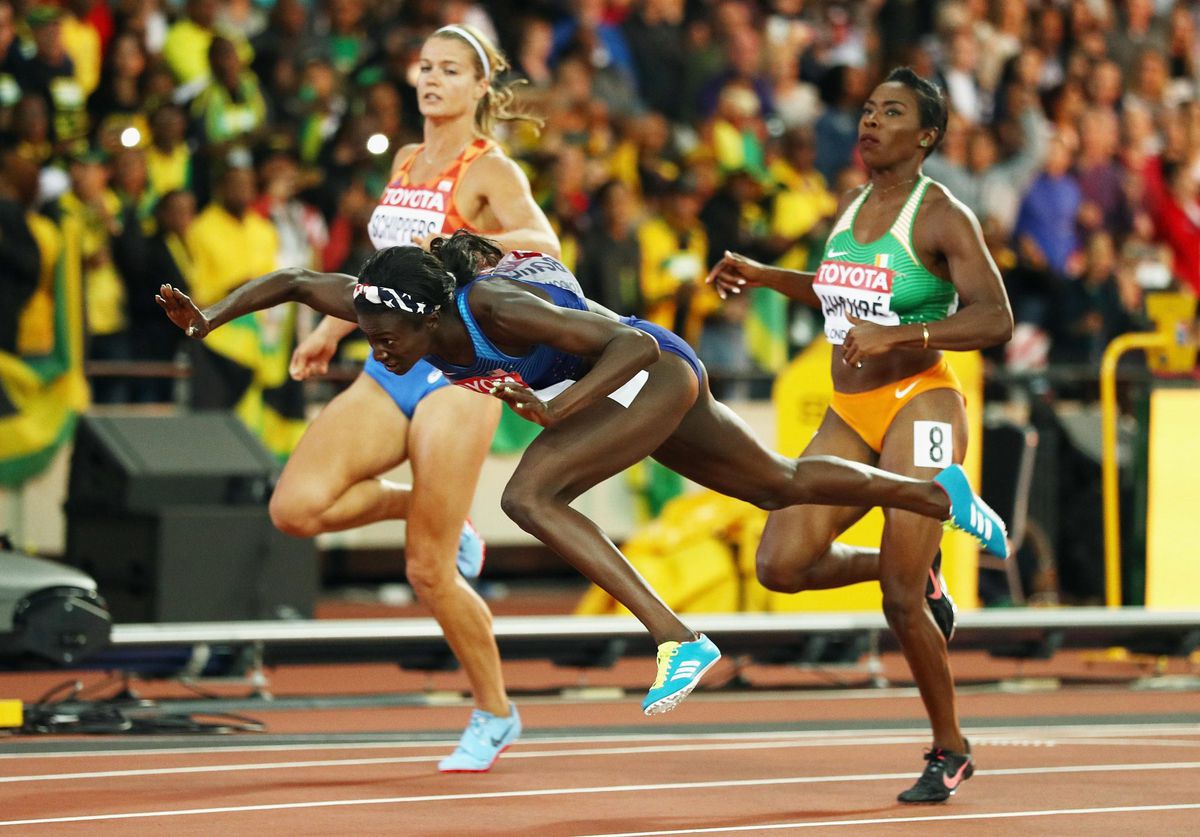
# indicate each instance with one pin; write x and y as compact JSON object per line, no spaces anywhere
{"x":598,"y":641}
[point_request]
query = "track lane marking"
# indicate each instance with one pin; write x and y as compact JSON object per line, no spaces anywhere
{"x":1064,"y":734}
{"x":714,"y":746}
{"x":1048,"y":812}
{"x":458,"y":797}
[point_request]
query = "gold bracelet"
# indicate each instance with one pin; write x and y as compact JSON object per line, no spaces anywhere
{"x":925,"y":334}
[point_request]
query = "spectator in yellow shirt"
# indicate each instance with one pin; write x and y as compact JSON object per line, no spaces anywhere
{"x":229,"y":244}
{"x":188,"y":42}
{"x":94,"y":211}
{"x":804,"y":205}
{"x":168,"y":158}
{"x":231,"y":107}
{"x":674,"y":262}
{"x":82,"y":43}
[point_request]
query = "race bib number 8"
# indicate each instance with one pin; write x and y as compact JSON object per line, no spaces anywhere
{"x":933,"y":444}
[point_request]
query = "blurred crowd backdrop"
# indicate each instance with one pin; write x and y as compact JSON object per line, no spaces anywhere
{"x":204,"y":142}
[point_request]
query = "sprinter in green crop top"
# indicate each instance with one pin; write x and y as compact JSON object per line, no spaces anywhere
{"x":905,"y":274}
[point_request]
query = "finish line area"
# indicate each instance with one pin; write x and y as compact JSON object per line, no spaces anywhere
{"x":797,"y":728}
{"x":1096,"y":759}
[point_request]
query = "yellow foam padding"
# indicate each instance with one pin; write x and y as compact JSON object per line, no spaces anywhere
{"x":687,"y":555}
{"x":698,"y":577}
{"x":12,"y":713}
{"x":1173,"y":495}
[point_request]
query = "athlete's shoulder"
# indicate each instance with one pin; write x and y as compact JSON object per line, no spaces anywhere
{"x":495,"y":162}
{"x":941,"y":206}
{"x":403,"y":153}
{"x":946,"y":224}
{"x":490,"y":294}
{"x":513,"y":256}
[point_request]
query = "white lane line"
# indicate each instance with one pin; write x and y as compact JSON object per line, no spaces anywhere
{"x":995,"y":815}
{"x":711,"y":746}
{"x":459,"y":797}
{"x":511,"y":754}
{"x":1054,"y":733}
{"x":1130,"y":742}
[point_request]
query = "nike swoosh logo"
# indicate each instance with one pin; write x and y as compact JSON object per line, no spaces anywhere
{"x":952,"y":782}
{"x":937,"y":588}
{"x":832,"y":254}
{"x":900,"y":393}
{"x":496,"y":742}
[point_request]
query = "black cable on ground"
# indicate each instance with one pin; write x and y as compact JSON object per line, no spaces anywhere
{"x":53,"y":713}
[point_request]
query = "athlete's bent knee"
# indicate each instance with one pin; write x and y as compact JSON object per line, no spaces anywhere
{"x":521,"y":501}
{"x":778,"y":578}
{"x":293,"y":515}
{"x":903,"y":610}
{"x":426,"y":574}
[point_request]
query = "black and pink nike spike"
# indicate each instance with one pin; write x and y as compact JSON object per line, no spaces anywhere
{"x":945,"y":614}
{"x":944,"y":772}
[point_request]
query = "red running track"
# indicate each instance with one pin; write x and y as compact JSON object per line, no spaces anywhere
{"x":1091,"y":758}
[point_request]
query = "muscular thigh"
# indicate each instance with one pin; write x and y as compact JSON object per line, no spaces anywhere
{"x":358,"y":435}
{"x":928,"y":434}
{"x":448,"y":440}
{"x":801,"y":534}
{"x":606,"y":438}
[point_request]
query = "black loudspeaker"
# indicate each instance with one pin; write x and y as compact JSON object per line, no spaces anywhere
{"x":195,"y":564}
{"x":142,"y":463}
{"x":169,"y":516}
{"x":48,"y":613}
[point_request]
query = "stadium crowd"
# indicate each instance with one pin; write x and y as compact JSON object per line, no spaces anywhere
{"x":203,"y":142}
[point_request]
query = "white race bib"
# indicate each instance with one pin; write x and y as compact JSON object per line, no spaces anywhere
{"x":933,"y":444}
{"x":856,"y":290}
{"x":408,"y":212}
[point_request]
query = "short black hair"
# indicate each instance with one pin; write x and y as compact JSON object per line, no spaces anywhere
{"x":931,"y":102}
{"x":411,"y":271}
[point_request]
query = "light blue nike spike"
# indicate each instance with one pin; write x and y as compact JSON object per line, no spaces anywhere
{"x":471,"y":552}
{"x":482,"y":742}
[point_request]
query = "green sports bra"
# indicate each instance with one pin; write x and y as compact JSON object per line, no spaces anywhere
{"x":881,"y":281}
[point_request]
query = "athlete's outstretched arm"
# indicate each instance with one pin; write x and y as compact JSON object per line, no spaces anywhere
{"x":328,"y":293}
{"x":505,"y":188}
{"x":519,"y":318}
{"x":736,"y":272}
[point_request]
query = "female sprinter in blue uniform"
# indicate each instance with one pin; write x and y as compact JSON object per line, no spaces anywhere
{"x":609,"y":391}
{"x":457,"y":177}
